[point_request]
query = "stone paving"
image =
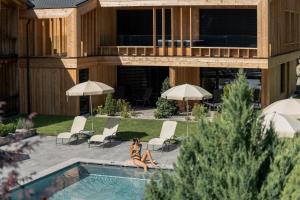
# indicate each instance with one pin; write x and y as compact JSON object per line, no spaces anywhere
{"x":47,"y":154}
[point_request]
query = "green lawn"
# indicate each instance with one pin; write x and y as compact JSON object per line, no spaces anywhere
{"x":129,"y":128}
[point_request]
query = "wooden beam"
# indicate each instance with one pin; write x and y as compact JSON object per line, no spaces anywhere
{"x":183,"y":61}
{"x":154,"y":31}
{"x":172,"y":30}
{"x":191,"y":30}
{"x":44,"y":37}
{"x":36,"y":37}
{"x":51,"y":34}
{"x":163,"y":16}
{"x":181,"y":30}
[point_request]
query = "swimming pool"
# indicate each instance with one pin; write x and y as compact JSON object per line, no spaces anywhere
{"x":82,"y":181}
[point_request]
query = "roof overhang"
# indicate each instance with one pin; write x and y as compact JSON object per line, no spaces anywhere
{"x":59,"y":12}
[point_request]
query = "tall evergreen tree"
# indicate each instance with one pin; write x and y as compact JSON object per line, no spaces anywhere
{"x":225,"y":159}
{"x":165,"y":108}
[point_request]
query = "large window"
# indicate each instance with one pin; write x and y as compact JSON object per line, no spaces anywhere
{"x":133,"y":82}
{"x":228,"y":27}
{"x":84,"y":101}
{"x":282,"y":78}
{"x":134,"y":27}
{"x":215,"y":79}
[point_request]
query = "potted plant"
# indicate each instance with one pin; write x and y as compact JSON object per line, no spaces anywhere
{"x":25,"y":126}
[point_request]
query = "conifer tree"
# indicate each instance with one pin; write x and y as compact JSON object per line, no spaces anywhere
{"x":165,"y":108}
{"x":225,"y":159}
{"x":283,"y":180}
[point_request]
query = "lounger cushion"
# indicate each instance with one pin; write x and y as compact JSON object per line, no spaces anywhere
{"x":97,"y":138}
{"x":65,"y":135}
{"x":156,"y":141}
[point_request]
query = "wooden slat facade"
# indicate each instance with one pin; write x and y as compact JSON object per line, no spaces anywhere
{"x":9,"y":90}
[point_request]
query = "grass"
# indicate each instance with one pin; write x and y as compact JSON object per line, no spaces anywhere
{"x":129,"y":128}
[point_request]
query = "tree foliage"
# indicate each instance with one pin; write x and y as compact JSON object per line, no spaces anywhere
{"x":165,"y":108}
{"x":234,"y":157}
{"x":110,"y":107}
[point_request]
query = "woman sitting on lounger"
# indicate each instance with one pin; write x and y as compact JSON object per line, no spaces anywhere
{"x":138,"y":158}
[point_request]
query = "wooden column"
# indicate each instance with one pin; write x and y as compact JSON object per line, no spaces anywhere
{"x":163,"y":17}
{"x":44,"y":36}
{"x":191,"y":31}
{"x":36,"y":37}
{"x":182,"y":75}
{"x":51,"y":36}
{"x":74,"y":34}
{"x":181,"y":30}
{"x":263,"y":30}
{"x":172,"y":30}
{"x":154,"y":31}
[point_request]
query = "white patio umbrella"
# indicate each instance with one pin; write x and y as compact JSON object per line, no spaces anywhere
{"x":186,"y":92}
{"x":285,"y":126}
{"x":290,"y":107}
{"x":90,"y":88}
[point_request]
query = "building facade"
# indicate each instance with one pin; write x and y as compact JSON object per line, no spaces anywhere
{"x":9,"y":87}
{"x":133,"y":45}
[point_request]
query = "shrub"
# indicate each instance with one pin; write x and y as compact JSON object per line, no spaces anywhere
{"x":165,"y":108}
{"x":124,"y":108}
{"x":100,"y":110}
{"x":24,"y":123}
{"x":110,"y":107}
{"x":199,"y":111}
{"x":5,"y":129}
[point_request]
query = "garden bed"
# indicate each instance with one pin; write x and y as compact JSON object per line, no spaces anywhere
{"x":19,"y":134}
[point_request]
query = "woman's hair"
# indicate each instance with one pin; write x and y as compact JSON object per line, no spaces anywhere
{"x":134,"y":140}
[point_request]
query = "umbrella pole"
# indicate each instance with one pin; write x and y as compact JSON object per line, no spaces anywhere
{"x":187,"y":117}
{"x":91,"y":108}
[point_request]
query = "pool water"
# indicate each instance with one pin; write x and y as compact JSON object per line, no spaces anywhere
{"x":87,"y":182}
{"x":98,"y":187}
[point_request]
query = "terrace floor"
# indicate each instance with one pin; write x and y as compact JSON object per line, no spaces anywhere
{"x":47,"y":154}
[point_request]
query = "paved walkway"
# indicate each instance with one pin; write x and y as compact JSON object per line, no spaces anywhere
{"x":48,"y":154}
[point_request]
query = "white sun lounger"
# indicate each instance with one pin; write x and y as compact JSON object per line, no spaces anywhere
{"x":109,"y":131}
{"x":77,"y":127}
{"x":166,"y":134}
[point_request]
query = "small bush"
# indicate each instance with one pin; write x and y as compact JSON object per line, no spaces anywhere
{"x":124,"y":108}
{"x":25,"y":124}
{"x":199,"y":111}
{"x":110,"y":107}
{"x":5,"y":129}
{"x":165,"y":108}
{"x":100,"y":110}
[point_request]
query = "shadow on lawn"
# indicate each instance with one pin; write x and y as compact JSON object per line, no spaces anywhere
{"x":42,"y":120}
{"x":129,"y":135}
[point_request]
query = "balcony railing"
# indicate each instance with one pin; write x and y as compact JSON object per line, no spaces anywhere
{"x":223,"y":46}
{"x":126,"y":51}
{"x":218,"y":52}
{"x":224,"y":52}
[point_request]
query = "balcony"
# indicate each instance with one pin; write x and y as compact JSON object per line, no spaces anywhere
{"x":227,"y":46}
{"x":224,"y":33}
